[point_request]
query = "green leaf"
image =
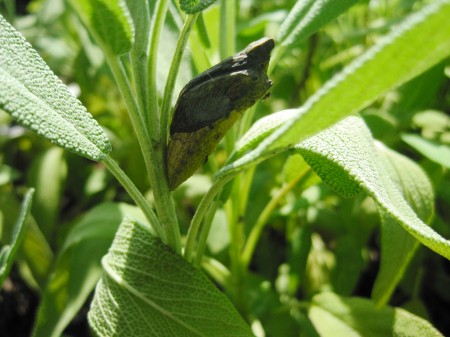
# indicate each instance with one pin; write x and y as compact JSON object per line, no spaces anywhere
{"x":195,"y":6}
{"x":397,"y":246}
{"x":167,"y":298}
{"x":108,"y":21}
{"x":417,"y":44}
{"x":78,"y":266}
{"x":8,"y":252}
{"x":37,"y":99}
{"x":334,"y":151}
{"x":439,"y":153}
{"x":332,"y":174}
{"x":306,"y":17}
{"x":336,"y":316}
{"x":349,"y":145}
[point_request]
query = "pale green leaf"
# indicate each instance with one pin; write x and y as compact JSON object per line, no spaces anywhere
{"x":397,"y":246}
{"x":349,"y":145}
{"x":195,"y":6}
{"x":335,"y":316}
{"x":108,"y":21}
{"x":439,"y":153}
{"x":306,"y":17}
{"x":8,"y":252}
{"x":412,"y":47}
{"x":167,"y":297}
{"x":78,"y":266}
{"x":37,"y":99}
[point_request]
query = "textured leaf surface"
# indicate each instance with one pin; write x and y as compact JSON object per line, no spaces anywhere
{"x":332,"y":152}
{"x":397,"y":246}
{"x":8,"y":252}
{"x":195,"y":6}
{"x":109,"y":21}
{"x":149,"y":290}
{"x":78,"y":266}
{"x":349,"y":145}
{"x":306,"y":17}
{"x":417,"y":44}
{"x":37,"y":99}
{"x":335,"y":316}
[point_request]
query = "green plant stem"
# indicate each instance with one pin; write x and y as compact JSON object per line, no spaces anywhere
{"x":123,"y":84}
{"x":227,"y":48}
{"x":173,"y":72}
{"x":199,"y":215}
{"x":139,"y":60}
{"x":204,"y":232}
{"x":277,"y":53}
{"x":155,"y":36}
{"x":247,"y":181}
{"x":153,"y":148}
{"x":152,"y":157}
{"x":257,"y":229}
{"x":218,"y":272}
{"x":227,"y":28}
{"x":236,"y":230}
{"x":246,"y":121}
{"x":137,"y":196}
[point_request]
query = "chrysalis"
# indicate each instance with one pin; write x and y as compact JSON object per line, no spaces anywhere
{"x":211,"y":103}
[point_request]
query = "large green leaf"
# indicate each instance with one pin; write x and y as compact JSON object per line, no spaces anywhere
{"x":149,"y":290}
{"x":8,"y":251}
{"x":335,"y":316}
{"x":350,"y":147}
{"x":412,"y":47}
{"x":37,"y":99}
{"x":78,"y":267}
{"x":109,"y":22}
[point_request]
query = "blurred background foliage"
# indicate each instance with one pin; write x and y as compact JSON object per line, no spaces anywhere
{"x":315,"y":239}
